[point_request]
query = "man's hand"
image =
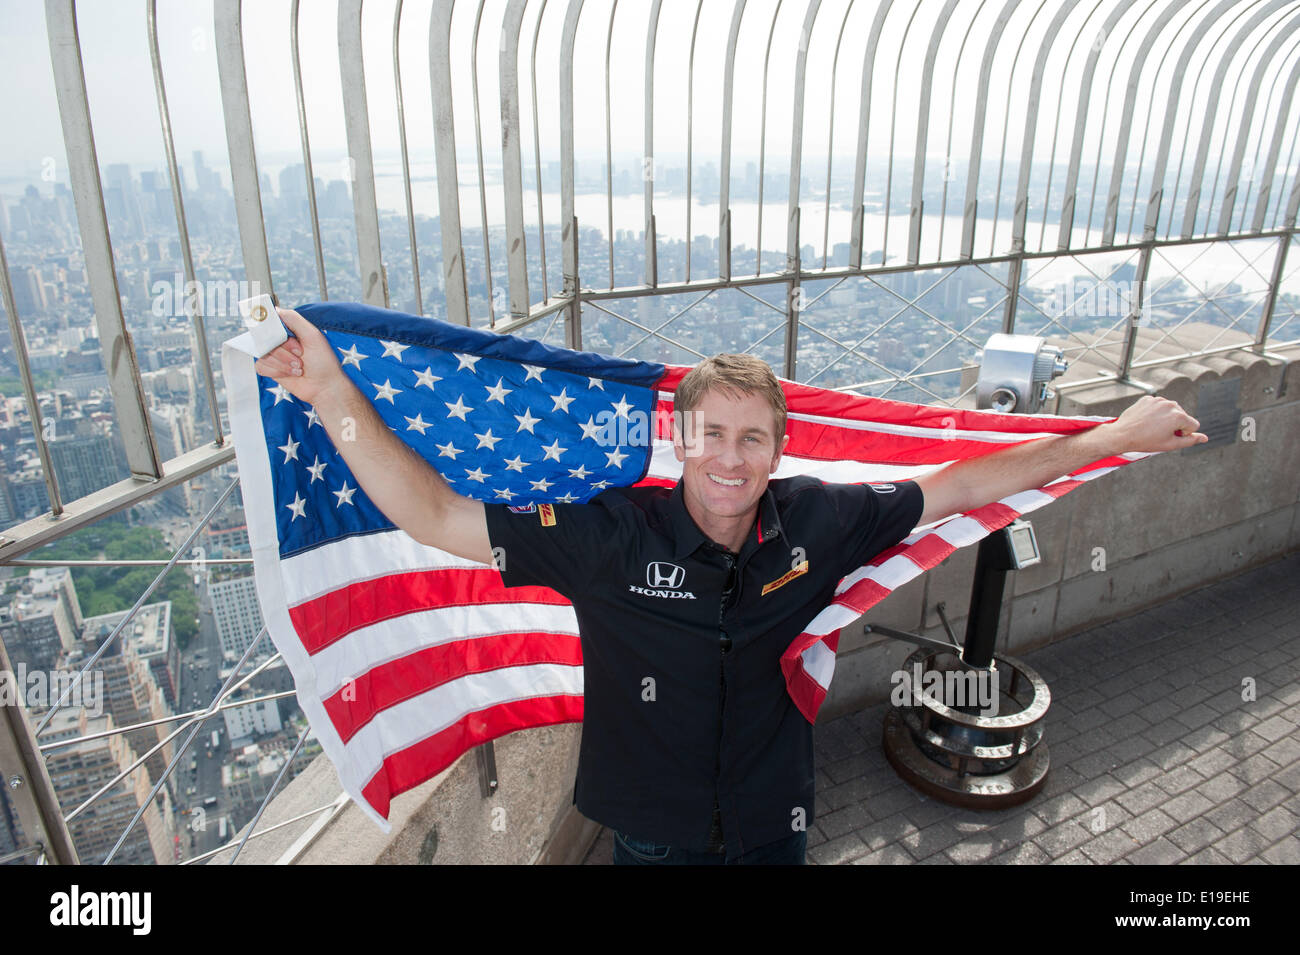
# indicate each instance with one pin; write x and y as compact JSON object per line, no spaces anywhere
{"x":305,"y":365}
{"x":403,"y":485}
{"x":1155,"y":424}
{"x":1148,"y":425}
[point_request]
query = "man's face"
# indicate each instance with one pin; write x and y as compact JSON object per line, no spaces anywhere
{"x":730,"y":447}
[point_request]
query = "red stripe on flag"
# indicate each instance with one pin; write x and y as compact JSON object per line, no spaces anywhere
{"x":930,"y":551}
{"x":673,"y":374}
{"x":828,"y":442}
{"x":994,"y":516}
{"x":421,"y":761}
{"x":806,"y":692}
{"x":860,"y":598}
{"x":1062,"y":488}
{"x":353,"y":706}
{"x":870,"y":590}
{"x":887,"y":554}
{"x":332,"y":616}
{"x":809,"y":399}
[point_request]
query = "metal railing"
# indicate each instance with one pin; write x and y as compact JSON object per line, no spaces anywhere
{"x":49,"y":825}
{"x":1131,"y":134}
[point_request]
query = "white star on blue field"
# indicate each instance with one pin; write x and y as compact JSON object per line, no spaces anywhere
{"x":497,"y":430}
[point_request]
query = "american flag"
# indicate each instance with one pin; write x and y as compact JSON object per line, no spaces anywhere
{"x":405,"y":657}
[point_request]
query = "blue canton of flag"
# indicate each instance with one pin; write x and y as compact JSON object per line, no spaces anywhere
{"x":502,"y":419}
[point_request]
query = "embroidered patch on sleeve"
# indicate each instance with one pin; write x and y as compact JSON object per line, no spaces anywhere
{"x":547,"y":514}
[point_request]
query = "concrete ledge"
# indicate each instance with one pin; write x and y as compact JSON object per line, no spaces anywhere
{"x":445,"y":820}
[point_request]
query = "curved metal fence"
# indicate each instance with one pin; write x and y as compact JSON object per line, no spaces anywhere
{"x":858,"y":191}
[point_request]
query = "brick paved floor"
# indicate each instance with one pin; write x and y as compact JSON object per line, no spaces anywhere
{"x":1156,"y":757}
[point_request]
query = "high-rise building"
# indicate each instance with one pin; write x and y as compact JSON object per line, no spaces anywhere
{"x":237,"y":613}
{"x":227,"y":540}
{"x":80,"y":769}
{"x":27,"y":491}
{"x":31,"y":632}
{"x":122,"y":200}
{"x":12,"y":837}
{"x":206,"y":180}
{"x":8,"y":516}
{"x":335,"y":202}
{"x":246,"y":779}
{"x":141,"y":669}
{"x":40,"y":617}
{"x":170,"y":429}
{"x":83,"y":457}
{"x":29,"y":290}
{"x":293,"y":181}
{"x":252,"y":719}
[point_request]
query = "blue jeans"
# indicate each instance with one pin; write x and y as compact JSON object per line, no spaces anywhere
{"x":632,"y":851}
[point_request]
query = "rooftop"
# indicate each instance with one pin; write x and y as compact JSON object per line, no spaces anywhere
{"x":1174,"y":738}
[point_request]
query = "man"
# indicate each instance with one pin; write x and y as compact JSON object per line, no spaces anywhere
{"x":692,"y":749}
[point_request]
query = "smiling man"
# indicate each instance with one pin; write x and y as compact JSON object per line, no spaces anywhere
{"x":686,"y":597}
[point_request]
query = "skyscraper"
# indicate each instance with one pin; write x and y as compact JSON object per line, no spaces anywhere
{"x":29,"y":290}
{"x":237,"y":613}
{"x":83,"y":458}
{"x":79,"y":770}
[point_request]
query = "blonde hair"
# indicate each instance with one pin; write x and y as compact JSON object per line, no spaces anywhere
{"x":733,"y":375}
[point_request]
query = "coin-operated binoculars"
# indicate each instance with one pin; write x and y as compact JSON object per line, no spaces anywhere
{"x":1015,"y":371}
{"x":966,"y":726}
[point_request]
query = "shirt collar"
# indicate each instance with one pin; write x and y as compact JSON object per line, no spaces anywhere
{"x":688,"y":536}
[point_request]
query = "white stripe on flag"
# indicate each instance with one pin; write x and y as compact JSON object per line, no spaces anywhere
{"x":355,"y":560}
{"x":1027,"y":501}
{"x":819,"y":663}
{"x":961,"y":531}
{"x":851,"y":472}
{"x":893,"y":573}
{"x":391,"y":639}
{"x":835,"y":617}
{"x":397,"y":727}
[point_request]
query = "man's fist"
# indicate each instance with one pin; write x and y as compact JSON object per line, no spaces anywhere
{"x":1156,"y":424}
{"x":305,"y":365}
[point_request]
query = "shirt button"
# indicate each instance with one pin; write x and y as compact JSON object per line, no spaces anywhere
{"x":724,"y":642}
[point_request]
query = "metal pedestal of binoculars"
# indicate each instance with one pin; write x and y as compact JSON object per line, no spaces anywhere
{"x":970,"y":732}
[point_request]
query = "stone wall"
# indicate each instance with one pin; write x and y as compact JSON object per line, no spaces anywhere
{"x":1136,"y":537}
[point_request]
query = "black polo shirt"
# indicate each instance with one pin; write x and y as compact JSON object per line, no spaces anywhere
{"x":685,"y":702}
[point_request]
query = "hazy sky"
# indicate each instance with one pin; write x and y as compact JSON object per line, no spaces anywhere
{"x":117,"y":64}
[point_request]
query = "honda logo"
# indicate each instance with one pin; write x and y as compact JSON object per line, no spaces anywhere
{"x":659,"y":574}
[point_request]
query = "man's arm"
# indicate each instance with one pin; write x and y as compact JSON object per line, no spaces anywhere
{"x":405,"y":487}
{"x":1150,"y":424}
